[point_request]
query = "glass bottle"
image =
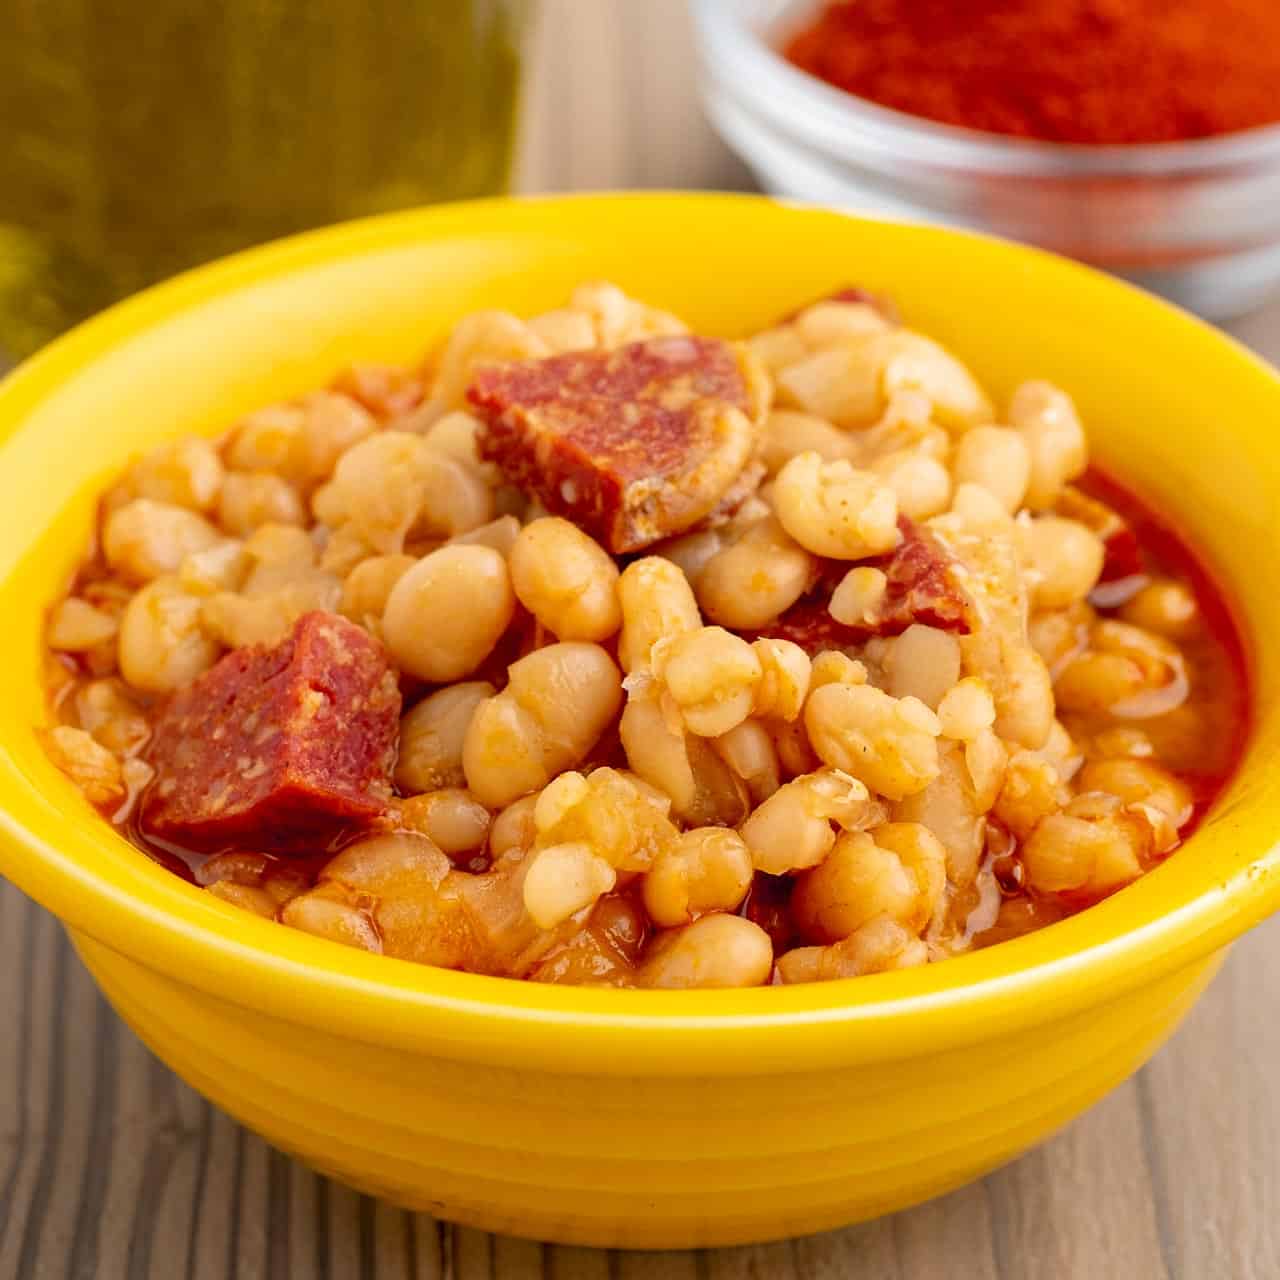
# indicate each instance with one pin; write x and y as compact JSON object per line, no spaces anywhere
{"x":140,"y":137}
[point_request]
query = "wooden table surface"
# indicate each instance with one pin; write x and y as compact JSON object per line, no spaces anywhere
{"x":110,"y":1167}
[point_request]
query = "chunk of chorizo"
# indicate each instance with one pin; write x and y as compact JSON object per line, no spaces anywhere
{"x":633,"y":445}
{"x":279,"y":747}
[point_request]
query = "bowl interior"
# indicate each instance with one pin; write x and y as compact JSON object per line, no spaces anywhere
{"x":1180,"y":413}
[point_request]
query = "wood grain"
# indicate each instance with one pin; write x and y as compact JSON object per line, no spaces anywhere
{"x":111,"y":1168}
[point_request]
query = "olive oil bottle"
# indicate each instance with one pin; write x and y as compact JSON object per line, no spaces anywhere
{"x":140,"y":137}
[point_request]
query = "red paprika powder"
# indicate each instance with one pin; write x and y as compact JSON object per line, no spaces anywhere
{"x":1088,"y":71}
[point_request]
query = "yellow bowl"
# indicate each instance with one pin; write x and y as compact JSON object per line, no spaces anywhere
{"x":636,"y":1118}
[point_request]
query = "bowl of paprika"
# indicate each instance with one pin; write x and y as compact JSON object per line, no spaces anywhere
{"x":1107,"y":130}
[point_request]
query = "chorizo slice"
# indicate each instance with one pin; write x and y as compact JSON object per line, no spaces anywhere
{"x":632,"y":445}
{"x":277,"y":748}
{"x":922,"y":584}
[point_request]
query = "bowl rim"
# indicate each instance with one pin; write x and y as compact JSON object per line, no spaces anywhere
{"x":849,"y":126}
{"x":152,"y":917}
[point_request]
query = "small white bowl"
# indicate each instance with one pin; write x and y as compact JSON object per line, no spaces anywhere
{"x":1198,"y":222}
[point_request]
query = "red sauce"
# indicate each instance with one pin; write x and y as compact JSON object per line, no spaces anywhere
{"x":1215,"y":651}
{"x":1202,"y":741}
